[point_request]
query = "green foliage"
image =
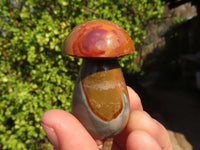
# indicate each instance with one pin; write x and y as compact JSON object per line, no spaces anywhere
{"x":178,"y":21}
{"x":34,"y":75}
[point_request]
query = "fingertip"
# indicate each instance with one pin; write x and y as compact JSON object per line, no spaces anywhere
{"x":48,"y":115}
{"x":140,"y":120}
{"x":49,"y":125}
{"x":140,"y":140}
{"x":135,"y":101}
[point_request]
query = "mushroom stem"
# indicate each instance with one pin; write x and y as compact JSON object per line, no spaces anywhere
{"x":100,"y":99}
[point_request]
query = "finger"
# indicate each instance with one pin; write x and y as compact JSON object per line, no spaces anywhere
{"x":135,"y":104}
{"x":66,"y":132}
{"x":140,"y":120}
{"x":140,"y":140}
{"x":135,"y":101}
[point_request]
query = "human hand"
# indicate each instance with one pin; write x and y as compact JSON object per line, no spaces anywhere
{"x":141,"y":133}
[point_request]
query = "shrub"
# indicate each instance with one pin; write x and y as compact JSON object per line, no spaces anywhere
{"x":34,"y":75}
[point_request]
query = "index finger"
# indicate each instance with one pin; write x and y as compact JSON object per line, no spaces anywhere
{"x":135,"y":104}
{"x":135,"y":101}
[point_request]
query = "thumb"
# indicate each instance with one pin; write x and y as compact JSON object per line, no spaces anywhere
{"x":65,"y":132}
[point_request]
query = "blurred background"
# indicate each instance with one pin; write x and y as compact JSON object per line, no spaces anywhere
{"x":35,"y":76}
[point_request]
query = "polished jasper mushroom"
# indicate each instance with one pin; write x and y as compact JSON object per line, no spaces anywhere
{"x":100,"y":98}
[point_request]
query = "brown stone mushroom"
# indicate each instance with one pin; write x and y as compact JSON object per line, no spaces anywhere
{"x":100,"y":98}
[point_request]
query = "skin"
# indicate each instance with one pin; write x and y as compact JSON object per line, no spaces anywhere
{"x":141,"y":133}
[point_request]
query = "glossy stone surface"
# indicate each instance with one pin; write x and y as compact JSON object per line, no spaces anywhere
{"x":98,"y":38}
{"x":100,"y":99}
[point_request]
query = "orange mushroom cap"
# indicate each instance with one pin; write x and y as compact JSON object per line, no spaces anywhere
{"x":98,"y":38}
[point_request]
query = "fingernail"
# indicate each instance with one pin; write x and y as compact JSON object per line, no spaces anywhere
{"x":50,"y":132}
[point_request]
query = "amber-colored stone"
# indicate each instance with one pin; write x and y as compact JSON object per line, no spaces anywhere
{"x":98,"y":38}
{"x":103,"y":91}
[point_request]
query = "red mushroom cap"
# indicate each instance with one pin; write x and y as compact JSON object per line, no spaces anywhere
{"x":98,"y":38}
